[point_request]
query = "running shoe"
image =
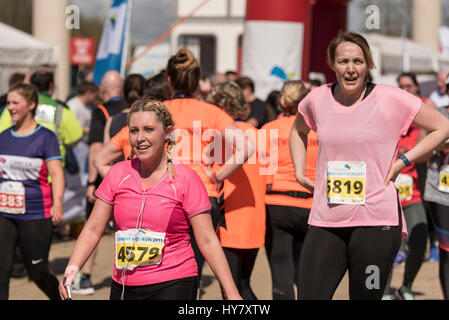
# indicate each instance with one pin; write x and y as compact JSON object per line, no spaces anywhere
{"x":388,"y":297}
{"x":83,"y":286}
{"x":405,"y":293}
{"x":434,"y":253}
{"x":400,"y":257}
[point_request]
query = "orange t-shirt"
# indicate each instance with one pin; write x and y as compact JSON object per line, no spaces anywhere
{"x":244,"y":202}
{"x":196,"y":122}
{"x":121,"y":141}
{"x":284,"y":178}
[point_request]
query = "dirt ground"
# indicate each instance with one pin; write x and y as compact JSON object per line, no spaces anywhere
{"x":426,"y":286}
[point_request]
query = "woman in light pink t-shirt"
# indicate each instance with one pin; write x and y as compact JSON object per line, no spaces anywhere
{"x":154,"y":203}
{"x":356,"y":220}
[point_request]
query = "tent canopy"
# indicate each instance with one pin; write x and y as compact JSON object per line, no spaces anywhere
{"x":20,"y":52}
{"x":388,"y":51}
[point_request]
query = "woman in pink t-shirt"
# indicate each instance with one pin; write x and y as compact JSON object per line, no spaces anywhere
{"x":356,"y":219}
{"x":154,"y":203}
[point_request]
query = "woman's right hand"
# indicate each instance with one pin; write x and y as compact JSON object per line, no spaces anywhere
{"x":306,"y":183}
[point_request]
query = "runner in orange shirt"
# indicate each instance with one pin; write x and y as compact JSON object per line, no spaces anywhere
{"x":288,"y":203}
{"x":199,"y":130}
{"x":242,"y":231}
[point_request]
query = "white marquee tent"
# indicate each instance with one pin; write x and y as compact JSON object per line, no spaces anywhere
{"x":388,"y":57}
{"x":20,"y":52}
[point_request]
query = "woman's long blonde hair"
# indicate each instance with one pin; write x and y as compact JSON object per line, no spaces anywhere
{"x":164,"y":116}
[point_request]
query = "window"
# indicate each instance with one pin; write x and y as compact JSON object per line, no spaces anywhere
{"x":204,"y":49}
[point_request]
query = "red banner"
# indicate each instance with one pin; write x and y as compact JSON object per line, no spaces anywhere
{"x":82,"y":50}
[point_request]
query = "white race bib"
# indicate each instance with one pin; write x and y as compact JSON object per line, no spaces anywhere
{"x":12,"y":197}
{"x":346,"y":181}
{"x":404,"y":183}
{"x":138,"y":247}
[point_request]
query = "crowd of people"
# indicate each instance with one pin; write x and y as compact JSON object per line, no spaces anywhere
{"x":181,"y":170}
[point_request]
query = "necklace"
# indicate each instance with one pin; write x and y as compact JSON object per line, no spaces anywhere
{"x":360,"y":98}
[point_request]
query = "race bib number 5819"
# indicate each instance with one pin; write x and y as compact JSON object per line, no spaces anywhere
{"x":346,"y":182}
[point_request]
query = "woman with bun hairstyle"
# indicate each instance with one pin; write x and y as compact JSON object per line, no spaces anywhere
{"x":242,"y":229}
{"x":195,"y":122}
{"x":288,"y":202}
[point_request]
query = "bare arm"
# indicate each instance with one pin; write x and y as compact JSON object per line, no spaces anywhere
{"x":243,"y":151}
{"x":57,"y":189}
{"x":428,"y":155}
{"x":210,"y":247}
{"x":107,"y":127}
{"x":87,"y":242}
{"x":93,"y":173}
{"x":437,"y":125}
{"x":298,"y":149}
{"x":105,"y":157}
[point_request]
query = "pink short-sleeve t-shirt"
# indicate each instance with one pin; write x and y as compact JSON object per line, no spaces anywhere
{"x":367,"y":131}
{"x":167,"y":208}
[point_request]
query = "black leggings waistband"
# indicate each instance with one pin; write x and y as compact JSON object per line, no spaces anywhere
{"x":294,"y":194}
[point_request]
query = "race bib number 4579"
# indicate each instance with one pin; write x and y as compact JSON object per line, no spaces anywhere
{"x":346,"y":182}
{"x":134,"y":248}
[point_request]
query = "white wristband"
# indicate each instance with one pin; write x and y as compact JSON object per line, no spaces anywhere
{"x":70,"y":274}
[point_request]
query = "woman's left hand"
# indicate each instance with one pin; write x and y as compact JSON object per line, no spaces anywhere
{"x":397,"y":166}
{"x":56,"y":214}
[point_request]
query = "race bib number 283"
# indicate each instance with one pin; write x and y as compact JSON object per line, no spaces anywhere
{"x":12,"y":197}
{"x":346,"y":182}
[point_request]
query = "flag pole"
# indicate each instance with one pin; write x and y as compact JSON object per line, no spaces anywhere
{"x":126,"y":39}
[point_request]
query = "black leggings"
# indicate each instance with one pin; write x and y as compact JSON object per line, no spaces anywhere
{"x":440,"y":214}
{"x":367,"y":253}
{"x":34,"y":238}
{"x":215,"y":216}
{"x":241,"y":262}
{"x":286,"y":230}
{"x":179,"y":289}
